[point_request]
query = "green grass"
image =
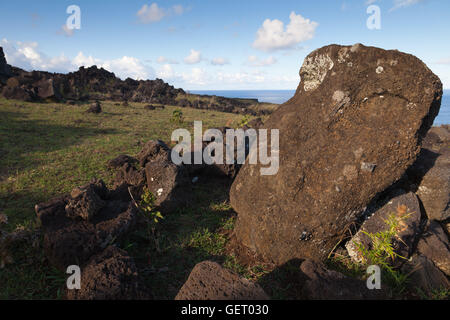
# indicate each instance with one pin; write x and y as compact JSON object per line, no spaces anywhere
{"x":48,"y":149}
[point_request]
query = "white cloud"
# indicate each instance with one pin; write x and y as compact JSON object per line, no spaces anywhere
{"x":164,"y":60}
{"x":166,"y":72}
{"x":256,"y":62}
{"x":219,"y":61}
{"x":27,"y":56}
{"x":129,"y":67}
{"x":194,"y":57}
{"x":403,"y":4}
{"x":153,"y":13}
{"x":273,"y":36}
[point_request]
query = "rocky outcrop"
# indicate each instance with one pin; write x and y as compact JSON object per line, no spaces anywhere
{"x":352,"y":129}
{"x":5,"y":69}
{"x":210,"y":281}
{"x":406,"y":208}
{"x":95,"y":83}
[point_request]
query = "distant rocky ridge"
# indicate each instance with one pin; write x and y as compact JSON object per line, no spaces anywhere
{"x":99,"y":84}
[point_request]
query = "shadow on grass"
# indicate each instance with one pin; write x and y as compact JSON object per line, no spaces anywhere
{"x":19,"y":137}
{"x":186,"y":237}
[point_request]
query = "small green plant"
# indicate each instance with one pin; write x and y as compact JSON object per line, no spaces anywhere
{"x":381,"y":252}
{"x":152,"y":217}
{"x":177,"y":116}
{"x":244,"y":121}
{"x":147,"y":205}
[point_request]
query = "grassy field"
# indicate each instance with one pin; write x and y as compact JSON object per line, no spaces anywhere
{"x":48,"y":149}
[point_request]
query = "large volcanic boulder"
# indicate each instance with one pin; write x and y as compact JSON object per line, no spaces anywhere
{"x":352,"y":129}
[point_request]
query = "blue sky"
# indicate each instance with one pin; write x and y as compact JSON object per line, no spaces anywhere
{"x":211,"y":44}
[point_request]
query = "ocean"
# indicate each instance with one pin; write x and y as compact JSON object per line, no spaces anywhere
{"x":281,"y":96}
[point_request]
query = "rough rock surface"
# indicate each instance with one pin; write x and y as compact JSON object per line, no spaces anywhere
{"x":210,"y":281}
{"x":95,"y":108}
{"x":5,"y":69}
{"x":324,"y":284}
{"x":169,"y":183}
{"x":355,"y":105}
{"x":110,"y":275}
{"x":410,"y":227}
{"x":435,"y":246}
{"x":120,"y":160}
{"x":429,"y":176}
{"x":423,"y":274}
{"x":70,"y":240}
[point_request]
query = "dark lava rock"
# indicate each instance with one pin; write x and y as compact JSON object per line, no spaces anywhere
{"x":401,"y":205}
{"x":423,"y":274}
{"x":95,"y":108}
{"x":85,"y":202}
{"x":109,"y":275}
{"x":45,"y":89}
{"x":151,"y":150}
{"x":119,"y":161}
{"x":324,"y":284}
{"x":5,"y":68}
{"x":169,"y":183}
{"x":435,"y":246}
{"x":434,"y":188}
{"x":69,"y":241}
{"x":354,"y":105}
{"x":210,"y":281}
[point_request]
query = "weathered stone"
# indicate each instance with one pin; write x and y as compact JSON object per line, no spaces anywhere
{"x":109,"y":275}
{"x":169,"y":183}
{"x":119,"y":161}
{"x":95,"y":108}
{"x":435,"y":246}
{"x":210,"y":281}
{"x":324,"y":284}
{"x":423,"y":274}
{"x":434,"y":188}
{"x":45,"y":89}
{"x":5,"y":69}
{"x":85,"y":202}
{"x":404,"y":205}
{"x":69,"y":241}
{"x":318,"y":137}
{"x":153,"y":149}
